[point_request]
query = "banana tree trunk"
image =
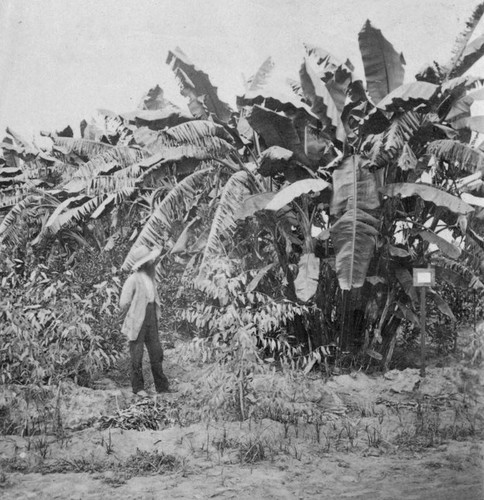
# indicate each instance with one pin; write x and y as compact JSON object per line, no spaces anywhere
{"x":352,"y":320}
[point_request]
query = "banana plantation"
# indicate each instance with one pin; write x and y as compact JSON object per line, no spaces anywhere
{"x":289,"y":228}
{"x":296,"y":218}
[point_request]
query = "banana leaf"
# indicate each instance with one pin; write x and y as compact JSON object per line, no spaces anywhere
{"x":471,"y":54}
{"x":354,"y":186}
{"x":354,"y":239}
{"x":468,"y":158}
{"x":258,"y":277}
{"x":466,"y":82}
{"x":335,"y":74}
{"x":294,"y":190}
{"x":458,"y":275}
{"x":383,"y":65}
{"x":405,"y":279}
{"x":322,"y":103}
{"x":253,"y":204}
{"x":441,"y":304}
{"x":408,"y":96}
{"x":199,"y":81}
{"x":428,"y":193}
{"x":306,"y":282}
{"x":274,"y":92}
{"x":277,"y":130}
{"x":326,"y":62}
{"x":407,"y":160}
{"x":275,"y":160}
{"x":445,"y":246}
{"x":475,"y":123}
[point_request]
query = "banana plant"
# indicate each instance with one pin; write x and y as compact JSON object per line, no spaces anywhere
{"x":384,"y":215}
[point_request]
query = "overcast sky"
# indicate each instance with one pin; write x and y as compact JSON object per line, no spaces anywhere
{"x":60,"y":60}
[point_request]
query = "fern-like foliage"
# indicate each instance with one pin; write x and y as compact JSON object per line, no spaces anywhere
{"x":164,"y":213}
{"x":224,"y":221}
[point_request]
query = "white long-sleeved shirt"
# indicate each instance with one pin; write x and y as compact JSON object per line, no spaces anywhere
{"x":138,"y":291}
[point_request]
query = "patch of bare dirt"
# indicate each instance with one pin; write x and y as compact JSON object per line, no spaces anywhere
{"x":353,"y":436}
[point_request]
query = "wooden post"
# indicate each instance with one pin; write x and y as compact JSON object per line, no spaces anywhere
{"x":422,"y":278}
{"x":423,"y":319}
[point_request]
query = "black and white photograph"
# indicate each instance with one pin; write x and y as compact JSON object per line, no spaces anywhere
{"x":242,"y":249}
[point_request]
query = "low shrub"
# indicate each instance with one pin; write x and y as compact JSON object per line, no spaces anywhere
{"x":49,"y":331}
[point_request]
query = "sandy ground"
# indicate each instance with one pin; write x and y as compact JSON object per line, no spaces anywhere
{"x":368,"y":445}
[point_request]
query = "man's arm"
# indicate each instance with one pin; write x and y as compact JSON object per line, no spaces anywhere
{"x":127,"y":293}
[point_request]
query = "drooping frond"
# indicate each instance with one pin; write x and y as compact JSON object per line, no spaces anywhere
{"x":130,"y":172}
{"x":224,"y":221}
{"x":122,"y":157}
{"x":165,"y":212}
{"x":205,"y":148}
{"x":152,"y":140}
{"x":428,"y":193}
{"x":113,"y":199}
{"x":10,"y":219}
{"x":408,"y":96}
{"x":110,"y":183}
{"x":10,"y":197}
{"x":195,"y":131}
{"x":71,"y":211}
{"x":388,"y":145}
{"x":294,"y":190}
{"x":457,"y":154}
{"x":88,"y":148}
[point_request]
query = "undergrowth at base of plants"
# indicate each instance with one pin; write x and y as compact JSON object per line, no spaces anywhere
{"x":144,"y":415}
{"x":141,"y":463}
{"x":54,"y":327}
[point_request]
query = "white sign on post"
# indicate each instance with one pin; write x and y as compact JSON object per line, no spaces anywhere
{"x":424,"y":276}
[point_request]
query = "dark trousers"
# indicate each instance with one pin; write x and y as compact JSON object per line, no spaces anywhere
{"x":148,"y":335}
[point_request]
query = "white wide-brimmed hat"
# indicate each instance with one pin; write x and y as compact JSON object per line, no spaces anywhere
{"x":142,"y":255}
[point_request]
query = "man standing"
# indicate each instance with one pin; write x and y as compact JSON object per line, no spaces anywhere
{"x":140,"y":297}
